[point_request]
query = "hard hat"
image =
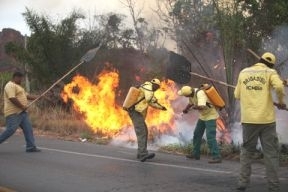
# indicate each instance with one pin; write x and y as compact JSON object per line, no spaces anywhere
{"x":185,"y":91}
{"x":155,"y":81}
{"x":269,"y":57}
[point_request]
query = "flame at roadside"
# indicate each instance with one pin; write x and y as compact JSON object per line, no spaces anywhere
{"x":97,"y":103}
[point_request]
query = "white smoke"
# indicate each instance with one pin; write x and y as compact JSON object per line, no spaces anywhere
{"x":182,"y":136}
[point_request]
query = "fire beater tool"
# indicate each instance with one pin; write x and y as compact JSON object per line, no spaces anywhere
{"x":89,"y":55}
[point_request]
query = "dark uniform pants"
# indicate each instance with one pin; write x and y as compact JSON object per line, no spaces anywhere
{"x":270,"y":145}
{"x":141,"y":131}
{"x":210,"y":126}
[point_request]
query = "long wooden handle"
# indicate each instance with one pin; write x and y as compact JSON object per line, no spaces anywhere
{"x":253,"y":53}
{"x":220,"y":82}
{"x":54,"y":84}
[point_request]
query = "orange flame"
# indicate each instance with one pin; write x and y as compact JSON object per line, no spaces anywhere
{"x":160,"y":122}
{"x":97,"y":103}
{"x":225,"y":136}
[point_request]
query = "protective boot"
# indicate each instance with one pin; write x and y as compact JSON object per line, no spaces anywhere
{"x":148,"y":156}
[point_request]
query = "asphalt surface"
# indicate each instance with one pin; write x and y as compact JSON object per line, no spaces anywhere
{"x":64,"y":166}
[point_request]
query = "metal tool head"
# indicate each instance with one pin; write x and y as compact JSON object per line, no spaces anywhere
{"x":90,"y":54}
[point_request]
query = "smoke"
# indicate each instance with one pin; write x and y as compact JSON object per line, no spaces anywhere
{"x":182,"y":136}
{"x":277,"y":44}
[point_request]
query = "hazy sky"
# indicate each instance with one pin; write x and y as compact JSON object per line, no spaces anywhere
{"x":11,"y":10}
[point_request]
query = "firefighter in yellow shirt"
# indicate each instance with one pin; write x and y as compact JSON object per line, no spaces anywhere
{"x":198,"y":100}
{"x":138,"y":114}
{"x":253,"y":89}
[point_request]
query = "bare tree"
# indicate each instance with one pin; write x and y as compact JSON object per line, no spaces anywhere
{"x":138,"y":22}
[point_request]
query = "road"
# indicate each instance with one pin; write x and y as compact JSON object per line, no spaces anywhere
{"x":64,"y":166}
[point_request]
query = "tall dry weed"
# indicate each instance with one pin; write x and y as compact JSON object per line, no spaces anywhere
{"x":58,"y":121}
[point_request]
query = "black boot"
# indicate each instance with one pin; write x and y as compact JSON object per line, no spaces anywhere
{"x":148,"y":156}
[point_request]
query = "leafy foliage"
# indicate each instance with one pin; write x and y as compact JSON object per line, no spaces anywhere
{"x":52,"y":47}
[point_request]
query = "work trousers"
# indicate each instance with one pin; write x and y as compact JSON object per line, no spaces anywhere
{"x":270,"y":146}
{"x":210,"y":126}
{"x":19,"y":120}
{"x":141,"y":131}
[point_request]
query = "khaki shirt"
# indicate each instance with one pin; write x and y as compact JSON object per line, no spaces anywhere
{"x":253,"y":89}
{"x":200,"y":99}
{"x":149,"y":99}
{"x":11,"y":90}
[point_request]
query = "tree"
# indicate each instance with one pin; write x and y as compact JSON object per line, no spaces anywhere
{"x":215,"y":34}
{"x":146,"y":37}
{"x":52,"y":46}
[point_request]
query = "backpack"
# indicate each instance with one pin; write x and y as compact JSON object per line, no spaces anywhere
{"x":213,"y":95}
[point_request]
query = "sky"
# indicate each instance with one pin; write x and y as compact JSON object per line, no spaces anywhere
{"x":11,"y":10}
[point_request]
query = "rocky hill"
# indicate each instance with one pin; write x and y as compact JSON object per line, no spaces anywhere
{"x":8,"y":63}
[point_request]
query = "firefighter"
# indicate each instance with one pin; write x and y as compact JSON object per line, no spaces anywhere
{"x":253,"y":89}
{"x":138,"y":114}
{"x":198,"y":100}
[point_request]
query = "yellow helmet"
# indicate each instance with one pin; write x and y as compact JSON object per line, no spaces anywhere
{"x":185,"y":91}
{"x":269,"y":57}
{"x":156,"y":81}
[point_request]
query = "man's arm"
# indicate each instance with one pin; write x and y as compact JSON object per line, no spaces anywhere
{"x":201,"y":100}
{"x":278,"y":86}
{"x":17,"y":103}
{"x":32,"y":97}
{"x":151,"y":99}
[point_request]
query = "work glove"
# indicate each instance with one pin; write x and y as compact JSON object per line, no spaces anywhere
{"x":281,"y":106}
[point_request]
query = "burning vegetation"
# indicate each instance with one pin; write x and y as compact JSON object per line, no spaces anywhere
{"x":99,"y":105}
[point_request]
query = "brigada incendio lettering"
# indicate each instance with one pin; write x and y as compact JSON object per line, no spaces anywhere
{"x":254,"y":79}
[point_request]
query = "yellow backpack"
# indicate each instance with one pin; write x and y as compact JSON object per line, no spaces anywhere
{"x":213,"y":95}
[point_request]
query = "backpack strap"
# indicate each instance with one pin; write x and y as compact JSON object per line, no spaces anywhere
{"x":137,"y":102}
{"x":207,"y":103}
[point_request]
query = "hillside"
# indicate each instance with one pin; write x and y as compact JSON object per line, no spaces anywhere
{"x":7,"y":63}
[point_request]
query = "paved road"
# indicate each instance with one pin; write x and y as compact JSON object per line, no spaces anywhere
{"x":64,"y":166}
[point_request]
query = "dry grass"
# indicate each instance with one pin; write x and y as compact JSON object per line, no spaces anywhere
{"x":228,"y":151}
{"x":57,"y":122}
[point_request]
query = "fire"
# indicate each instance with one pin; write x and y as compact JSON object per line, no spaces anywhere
{"x":97,"y":103}
{"x":160,"y":122}
{"x":224,"y":133}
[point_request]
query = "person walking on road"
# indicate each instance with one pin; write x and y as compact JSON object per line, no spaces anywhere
{"x":138,"y":114}
{"x":15,"y":105}
{"x":198,"y":100}
{"x":253,"y":89}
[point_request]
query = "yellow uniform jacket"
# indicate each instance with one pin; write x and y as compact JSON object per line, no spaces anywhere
{"x":149,"y":99}
{"x":253,"y":89}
